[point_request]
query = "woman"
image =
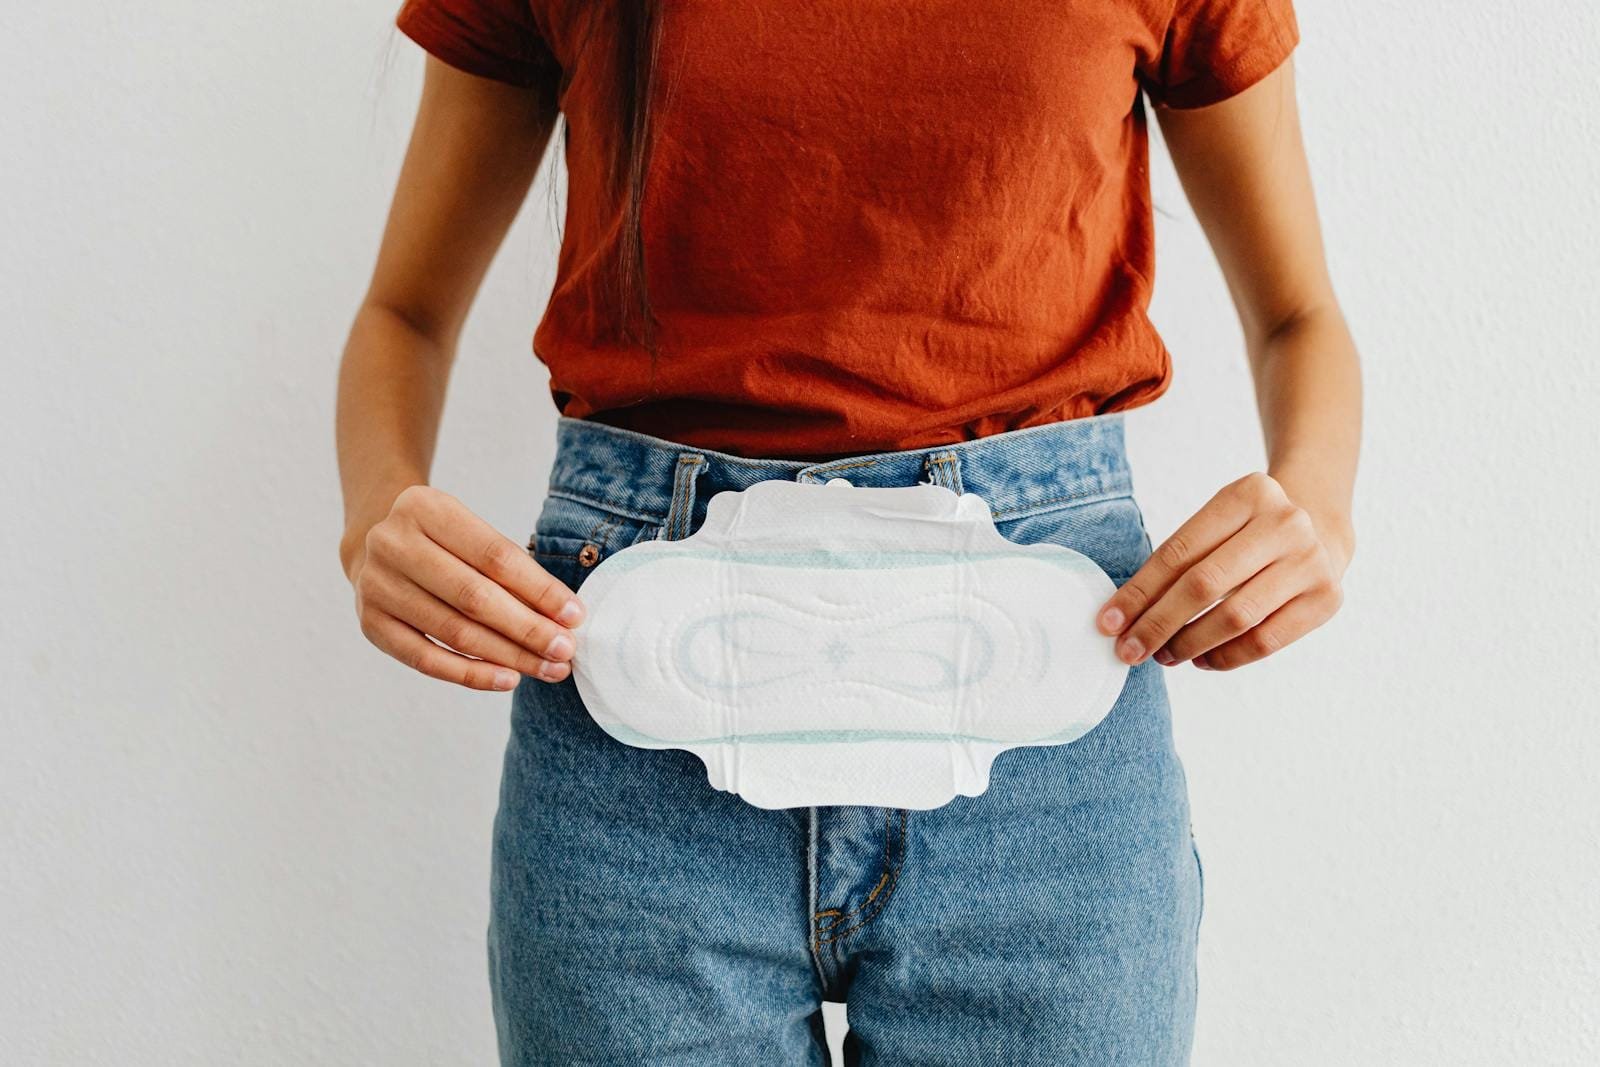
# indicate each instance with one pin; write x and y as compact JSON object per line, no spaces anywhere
{"x":847,"y":238}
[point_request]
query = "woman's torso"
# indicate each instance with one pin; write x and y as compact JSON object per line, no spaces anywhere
{"x":869,"y":226}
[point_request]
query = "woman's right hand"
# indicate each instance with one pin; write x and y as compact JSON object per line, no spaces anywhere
{"x":431,"y":568}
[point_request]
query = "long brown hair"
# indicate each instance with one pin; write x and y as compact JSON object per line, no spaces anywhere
{"x":637,"y":39}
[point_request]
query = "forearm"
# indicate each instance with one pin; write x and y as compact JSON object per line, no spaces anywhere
{"x":1308,"y":392}
{"x":392,"y":383}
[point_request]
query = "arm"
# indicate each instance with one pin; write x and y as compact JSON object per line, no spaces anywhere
{"x":1260,"y":564}
{"x":421,"y":563}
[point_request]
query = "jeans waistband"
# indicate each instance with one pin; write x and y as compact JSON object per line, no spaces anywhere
{"x":1017,"y":472}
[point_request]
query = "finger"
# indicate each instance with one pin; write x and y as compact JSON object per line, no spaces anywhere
{"x":454,"y":527}
{"x":479,"y":597}
{"x":1286,"y":625}
{"x":423,"y":611}
{"x":417,"y":652}
{"x":1209,"y":580}
{"x":1236,"y":613}
{"x":1223,"y":516}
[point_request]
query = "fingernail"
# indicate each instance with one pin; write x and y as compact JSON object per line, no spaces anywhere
{"x":1200,"y":662}
{"x":571,"y":613}
{"x":1131,"y":651}
{"x":552,"y":672}
{"x":560,"y":647}
{"x":1165,"y":658}
{"x":1111,"y":620}
{"x":504,"y":679}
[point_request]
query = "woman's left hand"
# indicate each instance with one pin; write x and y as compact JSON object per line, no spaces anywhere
{"x":1257,"y":569}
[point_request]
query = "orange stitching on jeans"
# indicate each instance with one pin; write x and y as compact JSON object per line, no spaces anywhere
{"x":609,"y":524}
{"x":893,"y":881}
{"x":842,"y":916}
{"x":672,"y":505}
{"x":883,"y":879}
{"x":688,"y":495}
{"x":608,"y":521}
{"x":944,"y":459}
{"x":825,"y":467}
{"x":887,"y":837}
{"x":890,"y":879}
{"x":682,"y":488}
{"x":1085,"y":498}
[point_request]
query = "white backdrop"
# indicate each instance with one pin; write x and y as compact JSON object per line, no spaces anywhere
{"x":231,"y":832}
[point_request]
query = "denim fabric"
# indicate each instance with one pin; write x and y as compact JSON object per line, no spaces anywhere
{"x":641,"y":917}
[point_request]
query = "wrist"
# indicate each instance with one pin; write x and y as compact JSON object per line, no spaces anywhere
{"x":1338,"y":536}
{"x":352,"y":547}
{"x":365,"y":512}
{"x":1329,"y":509}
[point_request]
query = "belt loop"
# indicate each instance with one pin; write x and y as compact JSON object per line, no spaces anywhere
{"x":944,"y":468}
{"x":680,"y":515}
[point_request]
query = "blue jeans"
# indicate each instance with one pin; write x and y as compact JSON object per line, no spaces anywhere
{"x":641,"y":917}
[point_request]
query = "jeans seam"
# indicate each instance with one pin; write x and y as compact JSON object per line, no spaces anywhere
{"x":1100,"y":424}
{"x":948,"y":474}
{"x":893,"y":860}
{"x":828,"y":468}
{"x":835,"y":915}
{"x":1200,"y":880}
{"x":815,"y":946}
{"x":680,"y":512}
{"x":602,"y":505}
{"x":669,"y":525}
{"x":595,"y":538}
{"x":1071,"y":500}
{"x":584,"y":425}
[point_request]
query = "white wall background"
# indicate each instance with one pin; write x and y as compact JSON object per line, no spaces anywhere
{"x":230,"y":832}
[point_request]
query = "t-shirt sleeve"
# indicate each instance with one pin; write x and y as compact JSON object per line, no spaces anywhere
{"x":1213,"y":49}
{"x":490,"y":38}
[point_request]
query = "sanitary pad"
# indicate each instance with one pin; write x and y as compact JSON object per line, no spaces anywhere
{"x":828,"y":644}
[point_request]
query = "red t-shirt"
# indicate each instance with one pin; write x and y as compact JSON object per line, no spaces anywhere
{"x":867,"y":225}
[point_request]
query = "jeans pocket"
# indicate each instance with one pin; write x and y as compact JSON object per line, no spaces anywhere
{"x":1109,"y":531}
{"x":571,"y":537}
